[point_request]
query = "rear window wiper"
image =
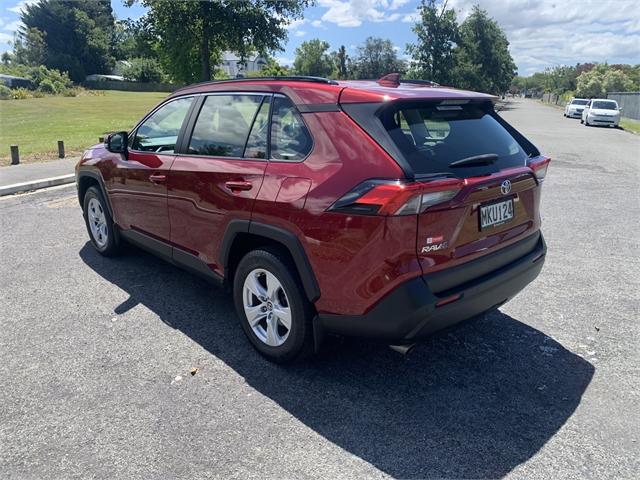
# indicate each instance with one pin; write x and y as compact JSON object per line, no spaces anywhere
{"x":485,"y":159}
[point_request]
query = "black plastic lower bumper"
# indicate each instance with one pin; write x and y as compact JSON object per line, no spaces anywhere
{"x":410,"y":312}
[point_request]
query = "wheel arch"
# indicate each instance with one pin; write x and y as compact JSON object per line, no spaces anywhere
{"x":87,"y":179}
{"x":242,"y":236}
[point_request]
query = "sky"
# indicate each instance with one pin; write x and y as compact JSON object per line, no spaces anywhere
{"x":541,"y":33}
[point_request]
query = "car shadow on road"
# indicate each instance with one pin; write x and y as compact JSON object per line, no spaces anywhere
{"x":472,"y":402}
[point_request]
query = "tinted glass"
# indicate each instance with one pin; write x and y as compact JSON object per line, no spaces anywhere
{"x":431,"y":137}
{"x":290,"y":139}
{"x":159,"y":132}
{"x":605,"y":105}
{"x":257,"y":142}
{"x":223,"y":124}
{"x":579,"y":102}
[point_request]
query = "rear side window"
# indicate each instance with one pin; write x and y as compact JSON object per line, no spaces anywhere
{"x":257,"y":141}
{"x":223,"y":124}
{"x":159,"y":132}
{"x":290,"y":139}
{"x":432,"y":137}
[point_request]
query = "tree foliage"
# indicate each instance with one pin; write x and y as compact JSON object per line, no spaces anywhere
{"x":77,"y":35}
{"x":603,"y":79}
{"x":29,"y":47}
{"x":312,"y":58}
{"x":190,"y":36}
{"x":376,"y":58}
{"x":143,"y":69}
{"x":437,"y":34}
{"x":482,"y":58}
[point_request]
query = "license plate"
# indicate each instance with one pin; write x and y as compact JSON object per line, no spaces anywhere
{"x":496,"y":213}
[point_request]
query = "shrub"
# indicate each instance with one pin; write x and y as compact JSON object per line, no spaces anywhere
{"x":38,"y":94}
{"x":47,"y":86}
{"x":20,"y":93}
{"x":143,"y":70}
{"x":5,"y":93}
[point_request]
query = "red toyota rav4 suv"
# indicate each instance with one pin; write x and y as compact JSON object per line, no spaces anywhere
{"x":381,"y":209}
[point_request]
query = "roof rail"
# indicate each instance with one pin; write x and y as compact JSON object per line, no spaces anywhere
{"x":291,"y":78}
{"x":427,"y":83}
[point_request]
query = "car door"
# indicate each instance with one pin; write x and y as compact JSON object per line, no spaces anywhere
{"x":220,"y":173}
{"x":138,"y":184}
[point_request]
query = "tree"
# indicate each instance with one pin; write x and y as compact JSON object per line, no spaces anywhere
{"x":437,"y":33}
{"x":6,"y":58}
{"x":341,"y":63}
{"x":377,"y":58}
{"x":77,"y":34}
{"x":143,"y":70}
{"x":312,"y":59}
{"x":271,"y":69}
{"x":29,"y":47}
{"x":603,"y":79}
{"x":190,"y":36}
{"x":482,"y":58}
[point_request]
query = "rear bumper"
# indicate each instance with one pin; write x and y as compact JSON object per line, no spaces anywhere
{"x":410,"y":312}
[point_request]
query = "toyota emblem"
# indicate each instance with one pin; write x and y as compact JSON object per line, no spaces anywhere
{"x":505,"y":187}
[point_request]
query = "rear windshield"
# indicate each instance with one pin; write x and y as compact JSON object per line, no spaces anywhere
{"x":431,"y":137}
{"x":579,"y":102}
{"x":605,"y":105}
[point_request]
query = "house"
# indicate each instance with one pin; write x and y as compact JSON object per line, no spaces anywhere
{"x":232,"y":65}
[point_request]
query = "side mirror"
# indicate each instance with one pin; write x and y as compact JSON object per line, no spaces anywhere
{"x":117,"y":143}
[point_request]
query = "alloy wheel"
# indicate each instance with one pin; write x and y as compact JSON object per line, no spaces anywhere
{"x":266,"y":307}
{"x":97,"y":222}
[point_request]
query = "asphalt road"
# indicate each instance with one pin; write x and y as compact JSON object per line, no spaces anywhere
{"x":95,"y":356}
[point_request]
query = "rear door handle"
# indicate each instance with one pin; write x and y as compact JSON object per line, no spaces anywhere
{"x":157,"y":178}
{"x":238,"y":185}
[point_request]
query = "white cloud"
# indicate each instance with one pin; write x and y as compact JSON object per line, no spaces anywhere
{"x":300,"y":33}
{"x":12,"y":26}
{"x":412,"y":17}
{"x":352,"y":13}
{"x":5,"y":37}
{"x":295,"y":24}
{"x":17,"y":8}
{"x":285,"y":61}
{"x":545,"y":33}
{"x":317,"y":23}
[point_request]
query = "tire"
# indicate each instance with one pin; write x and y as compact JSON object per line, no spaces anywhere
{"x":581,"y":120}
{"x":102,"y":231}
{"x":258,"y":272}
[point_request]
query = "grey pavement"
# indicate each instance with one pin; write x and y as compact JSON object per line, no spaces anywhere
{"x":96,"y":354}
{"x":26,"y":173}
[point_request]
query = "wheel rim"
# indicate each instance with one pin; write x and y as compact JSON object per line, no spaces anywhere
{"x":266,"y":307}
{"x":97,"y":222}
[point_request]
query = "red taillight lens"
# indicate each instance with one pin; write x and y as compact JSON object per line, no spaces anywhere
{"x":539,"y":166}
{"x":395,"y":197}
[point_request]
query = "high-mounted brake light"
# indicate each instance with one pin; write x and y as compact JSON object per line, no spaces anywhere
{"x":539,"y":166}
{"x":395,"y":197}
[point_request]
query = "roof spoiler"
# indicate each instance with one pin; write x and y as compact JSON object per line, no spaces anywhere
{"x":393,"y":80}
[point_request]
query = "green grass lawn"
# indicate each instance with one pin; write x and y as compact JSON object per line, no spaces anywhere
{"x":630,"y":125}
{"x":36,"y":124}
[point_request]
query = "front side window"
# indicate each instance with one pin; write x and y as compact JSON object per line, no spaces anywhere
{"x":223,"y":124}
{"x":159,"y":132}
{"x":290,"y":139}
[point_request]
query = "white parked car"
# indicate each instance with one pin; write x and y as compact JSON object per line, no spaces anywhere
{"x":574,"y":108}
{"x":601,"y":111}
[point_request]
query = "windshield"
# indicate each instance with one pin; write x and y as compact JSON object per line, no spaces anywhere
{"x":579,"y":102}
{"x":602,"y":105}
{"x":431,"y":137}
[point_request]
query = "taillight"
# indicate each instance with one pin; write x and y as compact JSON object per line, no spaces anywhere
{"x":539,"y":167}
{"x":396,"y":197}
